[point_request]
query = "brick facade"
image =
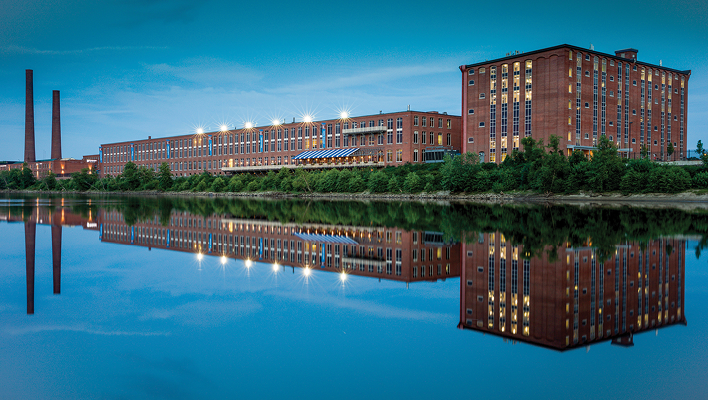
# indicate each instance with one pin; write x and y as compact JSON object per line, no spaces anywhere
{"x":575,"y":94}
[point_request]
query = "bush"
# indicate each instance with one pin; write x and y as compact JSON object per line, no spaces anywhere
{"x":378,"y":182}
{"x":394,"y":185}
{"x":356,"y":184}
{"x":700,"y":180}
{"x":219,"y":185}
{"x":413,"y":183}
{"x":252,"y":186}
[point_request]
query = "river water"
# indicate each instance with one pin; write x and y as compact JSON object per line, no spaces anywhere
{"x":117,"y":297}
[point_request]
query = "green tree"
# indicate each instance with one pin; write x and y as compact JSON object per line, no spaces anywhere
{"x":670,"y":149}
{"x":378,"y":182}
{"x":27,"y":178}
{"x":219,"y":185}
{"x":131,"y":178}
{"x":50,"y":181}
{"x":84,"y":180}
{"x":165,"y":177}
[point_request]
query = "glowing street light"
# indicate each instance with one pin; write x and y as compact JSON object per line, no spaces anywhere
{"x":344,"y":115}
{"x":307,"y":118}
{"x":275,"y":267}
{"x":343,"y":276}
{"x":248,"y":125}
{"x":223,"y":128}
{"x":200,"y":131}
{"x":307,"y":271}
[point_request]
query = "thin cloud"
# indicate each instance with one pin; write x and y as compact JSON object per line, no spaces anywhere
{"x":29,"y":50}
{"x":82,"y":329}
{"x":367,"y":78}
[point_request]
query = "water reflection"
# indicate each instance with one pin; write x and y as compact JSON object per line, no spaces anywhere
{"x":572,"y":298}
{"x":559,"y":294}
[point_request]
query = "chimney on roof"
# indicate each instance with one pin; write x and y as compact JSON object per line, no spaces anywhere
{"x":29,"y":117}
{"x":56,"y":126}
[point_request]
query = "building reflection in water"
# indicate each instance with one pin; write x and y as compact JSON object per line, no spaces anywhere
{"x":576,"y":299}
{"x":563,"y":300}
{"x":380,"y":252}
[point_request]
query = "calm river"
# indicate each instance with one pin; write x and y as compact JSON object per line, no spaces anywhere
{"x":125,"y":298}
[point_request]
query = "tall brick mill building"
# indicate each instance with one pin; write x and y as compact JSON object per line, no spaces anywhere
{"x":577,"y":94}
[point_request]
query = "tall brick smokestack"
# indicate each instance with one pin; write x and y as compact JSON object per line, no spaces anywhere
{"x":56,"y":126}
{"x":29,"y":118}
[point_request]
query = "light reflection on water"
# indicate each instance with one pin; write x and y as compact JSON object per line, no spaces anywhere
{"x":182,"y":304}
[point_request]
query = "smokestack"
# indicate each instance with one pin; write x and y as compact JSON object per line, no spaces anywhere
{"x":30,"y":233}
{"x":29,"y":118}
{"x":56,"y":126}
{"x":56,"y":257}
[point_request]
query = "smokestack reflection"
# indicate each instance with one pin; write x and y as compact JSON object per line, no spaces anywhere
{"x":30,"y":233}
{"x":56,"y":257}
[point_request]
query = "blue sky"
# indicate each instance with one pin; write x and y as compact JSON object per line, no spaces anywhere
{"x":127,"y":69}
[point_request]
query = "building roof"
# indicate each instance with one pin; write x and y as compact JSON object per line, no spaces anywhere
{"x":568,"y":46}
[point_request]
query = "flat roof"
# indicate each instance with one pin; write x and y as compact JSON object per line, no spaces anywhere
{"x":569,"y":46}
{"x":256,"y":128}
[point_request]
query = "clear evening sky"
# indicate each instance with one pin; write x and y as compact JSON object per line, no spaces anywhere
{"x":127,"y":69}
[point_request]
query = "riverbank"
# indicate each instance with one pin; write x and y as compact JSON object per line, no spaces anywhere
{"x":689,"y":199}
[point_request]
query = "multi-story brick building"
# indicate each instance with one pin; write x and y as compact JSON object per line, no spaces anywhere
{"x":577,"y":94}
{"x":575,"y":299}
{"x":374,"y":140}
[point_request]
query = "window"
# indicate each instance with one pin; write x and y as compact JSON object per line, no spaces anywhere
{"x":415,"y":120}
{"x":612,"y":78}
{"x":587,"y":105}
{"x":634,"y":112}
{"x":470,"y":71}
{"x":481,"y":96}
{"x":471,"y":82}
{"x":449,"y":139}
{"x":470,"y":140}
{"x":415,"y":157}
{"x":587,"y":57}
{"x":470,"y":111}
{"x":482,"y":70}
{"x":399,"y":155}
{"x":587,"y":73}
{"x":415,"y":137}
{"x":634,"y":82}
{"x":481,"y":124}
{"x":389,"y":156}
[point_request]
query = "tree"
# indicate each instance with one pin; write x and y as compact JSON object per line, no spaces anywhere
{"x":699,"y":148}
{"x":84,"y":180}
{"x":670,"y":149}
{"x":165,"y":177}
{"x":27,"y":178}
{"x":131,"y":179}
{"x":50,"y":181}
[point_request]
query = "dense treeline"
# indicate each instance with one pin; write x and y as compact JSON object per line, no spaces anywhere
{"x":536,"y":167}
{"x":538,"y":229}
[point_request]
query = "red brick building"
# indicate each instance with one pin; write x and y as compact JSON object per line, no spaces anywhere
{"x":373,"y":140}
{"x":577,"y":94}
{"x":576,"y":299}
